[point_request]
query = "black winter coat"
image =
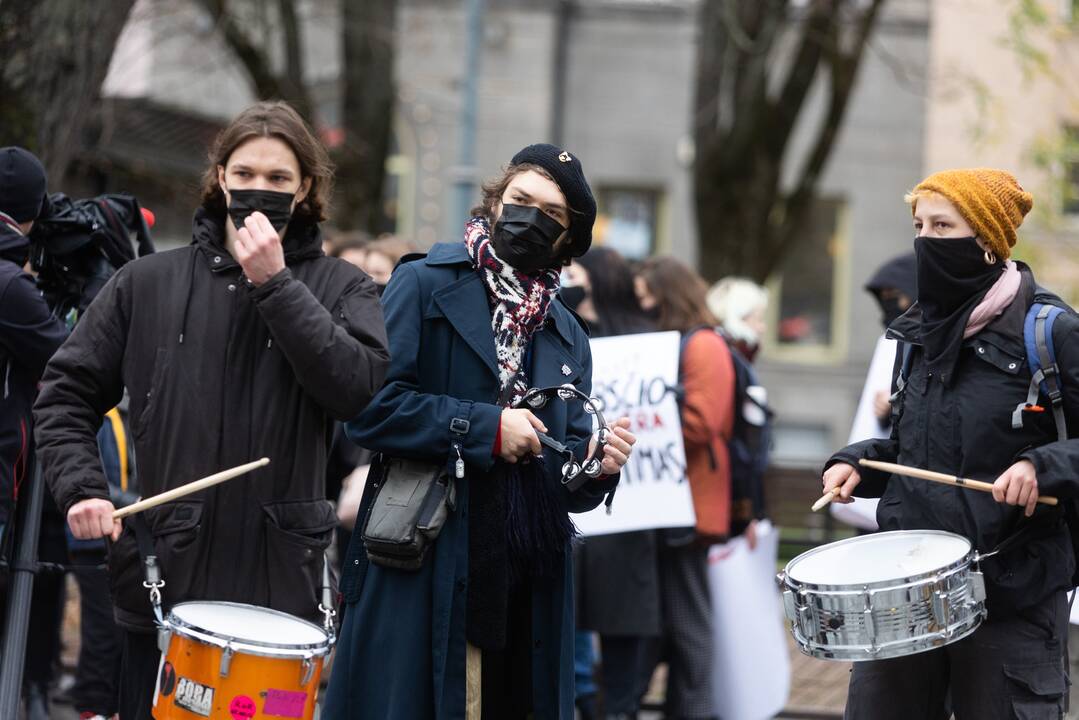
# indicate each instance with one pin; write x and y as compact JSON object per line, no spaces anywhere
{"x":29,"y":335}
{"x":962,"y":426}
{"x":219,"y":373}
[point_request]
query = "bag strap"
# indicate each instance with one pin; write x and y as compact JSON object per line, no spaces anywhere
{"x":904,"y":368}
{"x":151,"y":569}
{"x":1045,"y":374}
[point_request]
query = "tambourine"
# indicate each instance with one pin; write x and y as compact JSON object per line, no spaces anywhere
{"x":574,"y":474}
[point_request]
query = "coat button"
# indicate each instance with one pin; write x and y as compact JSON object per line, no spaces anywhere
{"x":217,"y":259}
{"x":232,"y":287}
{"x":1011,"y":366}
{"x":356,"y":561}
{"x":981,"y":351}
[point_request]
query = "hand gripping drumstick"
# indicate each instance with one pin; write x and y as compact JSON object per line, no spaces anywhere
{"x":193,"y":486}
{"x":924,"y":475}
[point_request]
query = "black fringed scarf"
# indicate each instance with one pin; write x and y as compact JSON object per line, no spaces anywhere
{"x":518,"y":526}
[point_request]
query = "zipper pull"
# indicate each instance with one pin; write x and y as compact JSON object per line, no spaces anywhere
{"x":459,"y":466}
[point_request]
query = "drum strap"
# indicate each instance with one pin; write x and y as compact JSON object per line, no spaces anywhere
{"x":151,"y":570}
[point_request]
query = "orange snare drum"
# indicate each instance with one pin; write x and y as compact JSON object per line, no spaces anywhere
{"x":232,"y":661}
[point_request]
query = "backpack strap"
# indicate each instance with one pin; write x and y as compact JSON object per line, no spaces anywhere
{"x":1045,"y":374}
{"x":904,"y":369}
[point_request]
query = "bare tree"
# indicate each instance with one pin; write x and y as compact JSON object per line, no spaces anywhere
{"x":257,"y":62}
{"x":757,"y":62}
{"x":367,"y":89}
{"x":56,"y":55}
{"x":367,"y":108}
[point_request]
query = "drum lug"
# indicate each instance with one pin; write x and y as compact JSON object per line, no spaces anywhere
{"x":307,"y":670}
{"x":977,"y":586}
{"x":164,"y":639}
{"x":226,"y":659}
{"x":790,"y":607}
{"x":870,"y":624}
{"x":942,"y":611}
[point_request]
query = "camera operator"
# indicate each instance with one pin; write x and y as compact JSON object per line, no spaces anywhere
{"x":29,"y":335}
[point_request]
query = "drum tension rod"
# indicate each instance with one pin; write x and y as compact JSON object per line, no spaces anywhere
{"x":226,"y":659}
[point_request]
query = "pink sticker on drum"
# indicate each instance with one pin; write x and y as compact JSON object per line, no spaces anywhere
{"x":284,"y":703}
{"x":242,"y":708}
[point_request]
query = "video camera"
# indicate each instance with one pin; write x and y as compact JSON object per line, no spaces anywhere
{"x":77,"y":245}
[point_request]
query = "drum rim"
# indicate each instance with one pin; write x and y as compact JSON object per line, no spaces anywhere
{"x":254,"y":647}
{"x":964,"y":561}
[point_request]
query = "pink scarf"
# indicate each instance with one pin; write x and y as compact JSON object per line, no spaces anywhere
{"x":995,"y":301}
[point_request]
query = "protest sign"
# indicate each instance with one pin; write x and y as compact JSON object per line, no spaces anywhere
{"x":635,"y":376}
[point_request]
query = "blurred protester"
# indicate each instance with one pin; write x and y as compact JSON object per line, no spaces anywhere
{"x":349,"y":246}
{"x":740,"y":306}
{"x":675,"y":296}
{"x":894,"y":287}
{"x":966,"y":405}
{"x":611,"y":568}
{"x":382,"y":256}
{"x":246,"y":343}
{"x":481,"y":624}
{"x":96,"y":691}
{"x":29,"y":334}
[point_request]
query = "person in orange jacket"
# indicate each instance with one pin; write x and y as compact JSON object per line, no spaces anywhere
{"x":676,"y":296}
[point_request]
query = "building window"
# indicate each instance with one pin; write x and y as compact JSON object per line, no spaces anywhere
{"x":809,"y":315}
{"x":628,"y":220}
{"x":1069,"y":158}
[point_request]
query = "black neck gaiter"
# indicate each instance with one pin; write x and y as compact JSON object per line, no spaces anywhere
{"x":953,"y":277}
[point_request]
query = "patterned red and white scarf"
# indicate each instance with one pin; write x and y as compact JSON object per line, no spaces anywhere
{"x":519,"y":303}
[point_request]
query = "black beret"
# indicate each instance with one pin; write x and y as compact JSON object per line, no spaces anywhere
{"x":567,"y":172}
{"x":22,"y":184}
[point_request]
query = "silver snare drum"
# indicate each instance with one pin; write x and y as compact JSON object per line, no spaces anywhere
{"x":884,"y":595}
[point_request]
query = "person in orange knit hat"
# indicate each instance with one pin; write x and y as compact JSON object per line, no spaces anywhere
{"x":962,"y":408}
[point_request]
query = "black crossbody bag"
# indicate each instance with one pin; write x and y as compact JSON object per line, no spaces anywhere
{"x":412,"y":501}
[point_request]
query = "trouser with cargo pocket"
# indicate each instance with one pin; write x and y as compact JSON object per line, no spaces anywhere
{"x":1013,"y":667}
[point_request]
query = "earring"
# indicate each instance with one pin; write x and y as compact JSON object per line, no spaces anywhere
{"x":990,"y":258}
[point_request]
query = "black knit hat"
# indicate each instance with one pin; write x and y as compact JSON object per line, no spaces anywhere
{"x":22,"y":184}
{"x":569,"y":175}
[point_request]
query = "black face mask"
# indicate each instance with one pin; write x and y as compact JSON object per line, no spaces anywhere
{"x":892,"y":310}
{"x":524,"y":237}
{"x":275,"y":205}
{"x":951,"y":272}
{"x":572,"y":296}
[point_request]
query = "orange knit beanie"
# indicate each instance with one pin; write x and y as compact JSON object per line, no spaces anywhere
{"x":991,"y":201}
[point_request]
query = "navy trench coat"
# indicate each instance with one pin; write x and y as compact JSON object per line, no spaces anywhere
{"x":401,"y":654}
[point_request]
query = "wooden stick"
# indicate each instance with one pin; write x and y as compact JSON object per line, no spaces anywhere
{"x":193,"y":486}
{"x":942,"y":478}
{"x":826,"y":498}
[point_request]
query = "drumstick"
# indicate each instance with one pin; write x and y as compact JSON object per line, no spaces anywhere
{"x":826,"y":498}
{"x":942,"y":478}
{"x":193,"y":486}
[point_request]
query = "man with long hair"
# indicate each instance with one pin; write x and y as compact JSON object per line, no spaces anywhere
{"x":248,"y":342}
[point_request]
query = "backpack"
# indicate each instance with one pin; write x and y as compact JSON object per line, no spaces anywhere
{"x":1044,"y":382}
{"x":749,"y":445}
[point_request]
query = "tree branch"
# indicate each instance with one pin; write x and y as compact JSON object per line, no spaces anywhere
{"x":843,"y":67}
{"x":254,"y":60}
{"x":369,"y":33}
{"x":293,"y":79}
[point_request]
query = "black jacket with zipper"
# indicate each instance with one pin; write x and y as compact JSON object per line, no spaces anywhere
{"x":962,"y":425}
{"x":29,"y":335}
{"x":219,"y":372}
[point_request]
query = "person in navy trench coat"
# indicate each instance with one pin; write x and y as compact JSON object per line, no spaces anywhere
{"x":402,"y":650}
